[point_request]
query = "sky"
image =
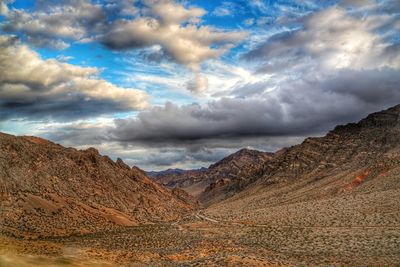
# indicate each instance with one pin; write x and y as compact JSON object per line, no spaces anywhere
{"x":182,"y":84}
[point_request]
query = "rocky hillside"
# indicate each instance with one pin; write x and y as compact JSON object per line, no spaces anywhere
{"x":47,"y":189}
{"x":238,"y":166}
{"x":361,"y":157}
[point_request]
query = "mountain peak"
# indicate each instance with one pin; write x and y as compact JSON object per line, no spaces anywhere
{"x":389,"y":118}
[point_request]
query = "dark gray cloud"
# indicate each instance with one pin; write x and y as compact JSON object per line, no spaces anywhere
{"x":159,"y":156}
{"x":67,"y":109}
{"x":371,"y":87}
{"x":309,"y":106}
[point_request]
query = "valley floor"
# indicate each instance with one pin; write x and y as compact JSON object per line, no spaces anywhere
{"x":205,"y":239}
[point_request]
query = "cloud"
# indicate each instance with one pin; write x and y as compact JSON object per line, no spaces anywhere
{"x":64,"y":58}
{"x":33,"y":87}
{"x":357,"y":3}
{"x":152,"y":156}
{"x":331,"y":39}
{"x":225,"y":9}
{"x":175,"y":28}
{"x":248,"y":22}
{"x":335,"y":69}
{"x":55,"y":24}
{"x":198,"y":85}
{"x":3,"y":7}
{"x":259,"y":5}
{"x":301,"y":107}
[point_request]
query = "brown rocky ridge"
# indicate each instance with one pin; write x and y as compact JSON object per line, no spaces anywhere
{"x":47,"y":189}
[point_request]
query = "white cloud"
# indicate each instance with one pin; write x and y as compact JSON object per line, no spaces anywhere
{"x":54,"y":24}
{"x":331,"y":39}
{"x":225,"y":9}
{"x":3,"y":7}
{"x":64,"y":58}
{"x":248,"y":22}
{"x":175,"y":29}
{"x":27,"y":82}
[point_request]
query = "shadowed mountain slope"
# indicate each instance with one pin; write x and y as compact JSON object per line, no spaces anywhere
{"x":237,"y":166}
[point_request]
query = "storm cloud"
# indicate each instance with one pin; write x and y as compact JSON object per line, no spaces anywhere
{"x":298,"y":108}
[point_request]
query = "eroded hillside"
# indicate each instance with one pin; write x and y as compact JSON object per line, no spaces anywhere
{"x":47,"y":189}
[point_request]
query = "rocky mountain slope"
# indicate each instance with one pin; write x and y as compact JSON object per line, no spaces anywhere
{"x":47,"y":189}
{"x":351,"y":161}
{"x":241,"y":165}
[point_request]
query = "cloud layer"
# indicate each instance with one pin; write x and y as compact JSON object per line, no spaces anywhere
{"x":335,"y":69}
{"x":298,"y":108}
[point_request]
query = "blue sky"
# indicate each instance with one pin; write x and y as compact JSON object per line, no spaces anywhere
{"x":163,"y":83}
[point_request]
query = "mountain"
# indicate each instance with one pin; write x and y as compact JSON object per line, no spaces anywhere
{"x":47,"y":189}
{"x":237,"y":166}
{"x":352,"y":171}
{"x":155,"y":174}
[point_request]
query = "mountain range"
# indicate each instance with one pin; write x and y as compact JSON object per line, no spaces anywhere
{"x":331,"y":199}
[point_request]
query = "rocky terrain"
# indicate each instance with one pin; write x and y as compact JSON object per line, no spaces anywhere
{"x":352,"y":158}
{"x":241,"y":165}
{"x":47,"y":190}
{"x":332,"y":199}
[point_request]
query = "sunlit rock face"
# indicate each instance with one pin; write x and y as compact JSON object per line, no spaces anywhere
{"x":47,"y":189}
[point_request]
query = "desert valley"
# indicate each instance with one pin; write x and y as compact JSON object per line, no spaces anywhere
{"x":330,"y":200}
{"x":199,"y":133}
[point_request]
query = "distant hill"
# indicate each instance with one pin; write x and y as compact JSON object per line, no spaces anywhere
{"x":155,"y":174}
{"x":237,"y":166}
{"x":47,"y":189}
